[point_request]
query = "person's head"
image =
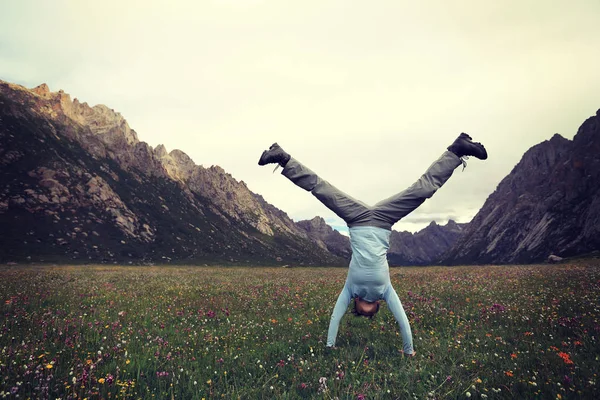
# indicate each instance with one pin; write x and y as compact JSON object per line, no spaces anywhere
{"x":365,"y":308}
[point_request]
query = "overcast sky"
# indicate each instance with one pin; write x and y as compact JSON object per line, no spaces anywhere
{"x":367,"y":94}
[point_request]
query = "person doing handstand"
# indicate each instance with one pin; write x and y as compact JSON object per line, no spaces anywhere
{"x":368,"y":279}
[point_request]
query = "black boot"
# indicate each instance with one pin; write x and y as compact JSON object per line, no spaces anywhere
{"x":275,"y":154}
{"x":464,"y":146}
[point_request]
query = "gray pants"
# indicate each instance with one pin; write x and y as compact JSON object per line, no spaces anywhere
{"x":383,"y":214}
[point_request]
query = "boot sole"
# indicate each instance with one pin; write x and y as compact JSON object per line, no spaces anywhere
{"x":474,"y":149}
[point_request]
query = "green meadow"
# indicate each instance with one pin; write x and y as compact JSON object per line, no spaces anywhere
{"x":113,"y":332}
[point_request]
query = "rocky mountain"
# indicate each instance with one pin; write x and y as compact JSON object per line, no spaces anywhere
{"x":77,"y":185}
{"x":327,"y":237}
{"x":424,"y":247}
{"x":548,"y":204}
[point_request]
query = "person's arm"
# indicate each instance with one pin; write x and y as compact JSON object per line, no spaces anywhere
{"x":338,"y":311}
{"x":395,"y":306}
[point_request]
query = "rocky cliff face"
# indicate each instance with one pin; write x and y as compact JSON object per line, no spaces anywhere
{"x":424,"y":247}
{"x":77,"y":184}
{"x":548,"y":204}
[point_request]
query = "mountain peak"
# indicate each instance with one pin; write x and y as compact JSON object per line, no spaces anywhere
{"x":318,"y":220}
{"x":327,"y":237}
{"x":41,"y":90}
{"x":160,"y":151}
{"x":451,"y":223}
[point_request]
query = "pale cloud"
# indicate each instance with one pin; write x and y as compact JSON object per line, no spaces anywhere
{"x":365,"y":94}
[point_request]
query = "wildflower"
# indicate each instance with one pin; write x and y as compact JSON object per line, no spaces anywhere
{"x":101,"y":381}
{"x":478,"y":380}
{"x":322,"y":384}
{"x":468,"y":394}
{"x":49,"y":366}
{"x":513,"y":356}
{"x":509,"y":373}
{"x":566,"y":358}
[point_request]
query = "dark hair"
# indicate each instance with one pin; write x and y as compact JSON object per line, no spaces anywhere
{"x":359,"y":314}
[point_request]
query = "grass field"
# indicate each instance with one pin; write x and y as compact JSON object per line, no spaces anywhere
{"x":194,"y":332}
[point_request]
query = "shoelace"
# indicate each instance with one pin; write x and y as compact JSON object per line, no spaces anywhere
{"x":277,"y":166}
{"x":463,"y":160}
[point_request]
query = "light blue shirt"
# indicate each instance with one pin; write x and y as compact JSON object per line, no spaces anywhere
{"x":369,"y":279}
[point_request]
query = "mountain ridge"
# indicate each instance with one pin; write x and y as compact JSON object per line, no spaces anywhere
{"x":79,"y":185}
{"x":63,"y":158}
{"x":424,"y":247}
{"x":548,"y":204}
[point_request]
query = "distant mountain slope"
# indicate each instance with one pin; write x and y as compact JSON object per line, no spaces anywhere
{"x":327,"y":237}
{"x":77,"y":184}
{"x":424,"y":247}
{"x":420,"y":248}
{"x":548,"y":204}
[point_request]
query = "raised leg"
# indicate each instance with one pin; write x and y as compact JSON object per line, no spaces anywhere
{"x":344,"y":206}
{"x":392,"y":209}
